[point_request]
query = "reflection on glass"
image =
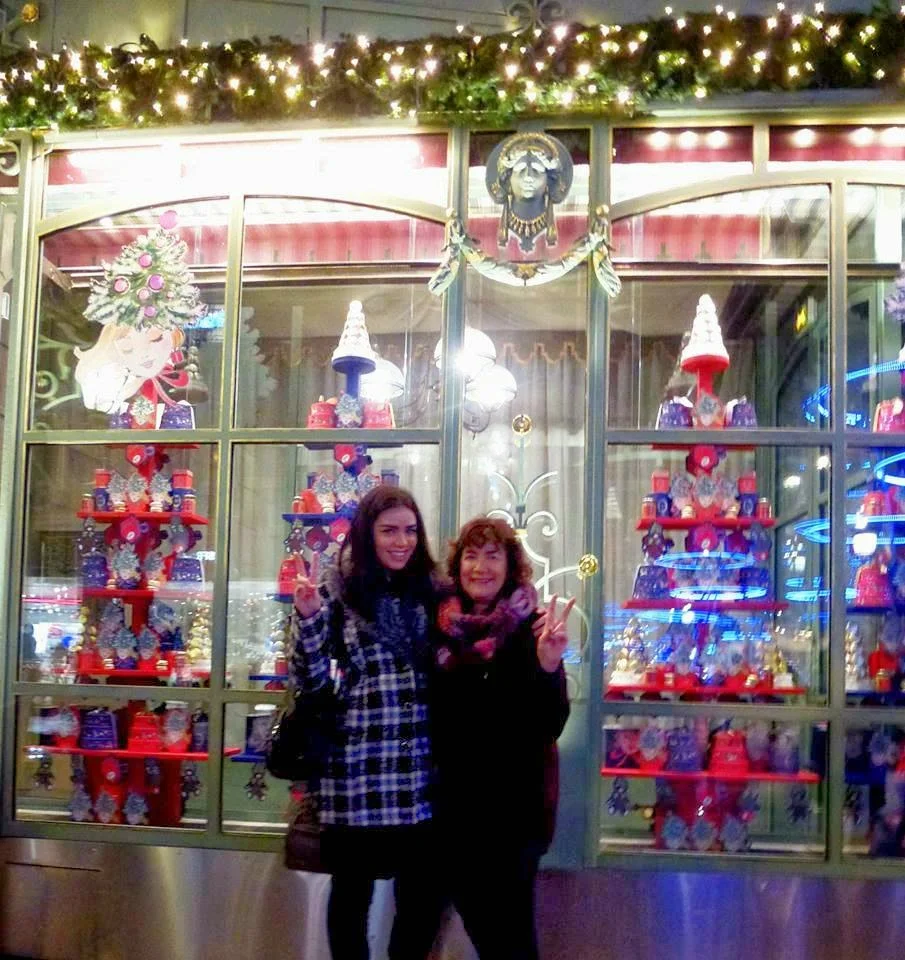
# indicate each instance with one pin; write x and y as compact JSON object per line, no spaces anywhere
{"x":876,"y":359}
{"x":773,"y":330}
{"x":288,"y":336}
{"x":875,"y":591}
{"x":119,"y":565}
{"x":711,"y":590}
{"x":876,"y":216}
{"x":710,"y":786}
{"x":789,"y":223}
{"x":649,"y":159}
{"x":134,"y":343}
{"x":252,"y":800}
{"x":288,"y":502}
{"x":523,"y":448}
{"x":94,"y":761}
{"x":874,"y":816}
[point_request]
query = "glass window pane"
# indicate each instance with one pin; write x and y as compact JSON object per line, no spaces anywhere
{"x":105,"y":761}
{"x":409,"y":166}
{"x":714,"y":586}
{"x":878,"y":149}
{"x":876,"y":224}
{"x":875,"y":591}
{"x":290,"y":331}
{"x":774,"y":330}
{"x":874,"y":791}
{"x":789,"y":223}
{"x":253,"y":800}
{"x":119,"y":564}
{"x":713,"y":786}
{"x":523,"y":446}
{"x":646,"y":159}
{"x":285,"y":505}
{"x":130,"y":321}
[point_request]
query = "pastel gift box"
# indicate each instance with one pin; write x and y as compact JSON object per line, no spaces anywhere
{"x":651,"y":583}
{"x":144,"y":732}
{"x":390,"y":477}
{"x":784,"y":751}
{"x":728,"y":753}
{"x":747,"y":483}
{"x":322,"y":415}
{"x":179,"y":416}
{"x":176,"y":727}
{"x":183,"y":480}
{"x":740,"y":414}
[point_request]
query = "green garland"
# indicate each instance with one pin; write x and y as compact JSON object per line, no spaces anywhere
{"x":564,"y":70}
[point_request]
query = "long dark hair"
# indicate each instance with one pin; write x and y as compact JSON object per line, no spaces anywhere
{"x":363,"y":574}
{"x":483,"y":530}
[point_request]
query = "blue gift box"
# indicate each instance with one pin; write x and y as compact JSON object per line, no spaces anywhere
{"x":94,"y":571}
{"x":651,"y":583}
{"x":98,"y":730}
{"x":186,"y":569}
{"x":747,"y":504}
{"x":101,"y":500}
{"x":178,"y":417}
{"x":663,"y":504}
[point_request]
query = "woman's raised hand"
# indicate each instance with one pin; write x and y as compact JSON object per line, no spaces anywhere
{"x":553,"y":639}
{"x":305,"y":596}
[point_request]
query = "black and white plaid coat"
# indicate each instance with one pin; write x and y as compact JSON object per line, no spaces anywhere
{"x":379,"y":773}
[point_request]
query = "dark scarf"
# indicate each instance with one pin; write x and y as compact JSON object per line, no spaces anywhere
{"x":476,"y":638}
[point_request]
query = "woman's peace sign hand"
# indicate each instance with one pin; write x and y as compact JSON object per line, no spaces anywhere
{"x":553,"y":639}
{"x":305,"y":596}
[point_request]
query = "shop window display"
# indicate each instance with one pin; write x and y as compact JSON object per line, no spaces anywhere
{"x":130,"y":321}
{"x":139,"y":762}
{"x":117,"y":584}
{"x":874,"y":818}
{"x":712,"y":785}
{"x":876,"y":147}
{"x":875,"y":591}
{"x":523,"y":443}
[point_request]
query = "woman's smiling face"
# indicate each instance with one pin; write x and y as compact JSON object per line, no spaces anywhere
{"x":145,"y":352}
{"x":482,"y":572}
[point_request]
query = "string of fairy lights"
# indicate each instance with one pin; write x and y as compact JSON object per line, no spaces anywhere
{"x":603,"y":70}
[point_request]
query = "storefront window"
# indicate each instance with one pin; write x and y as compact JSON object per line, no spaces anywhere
{"x":290,"y":501}
{"x":119,"y":563}
{"x":713,"y":785}
{"x":410,"y":166}
{"x":130,"y":321}
{"x":131,"y":763}
{"x":711,"y":591}
{"x":523,"y":443}
{"x":290,"y":327}
{"x":646,"y":159}
{"x":878,"y":148}
{"x":875,"y":791}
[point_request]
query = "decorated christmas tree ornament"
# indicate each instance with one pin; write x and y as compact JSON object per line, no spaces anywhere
{"x":354,"y":356}
{"x":705,"y":351}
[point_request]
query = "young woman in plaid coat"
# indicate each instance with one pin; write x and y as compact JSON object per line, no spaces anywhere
{"x":374,"y":789}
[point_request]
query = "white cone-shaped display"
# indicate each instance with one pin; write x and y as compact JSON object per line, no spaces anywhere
{"x":354,"y":347}
{"x":705,"y":348}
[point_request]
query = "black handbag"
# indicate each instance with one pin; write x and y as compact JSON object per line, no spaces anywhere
{"x":308,"y":726}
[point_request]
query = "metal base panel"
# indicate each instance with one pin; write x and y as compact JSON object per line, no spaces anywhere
{"x":75,"y":901}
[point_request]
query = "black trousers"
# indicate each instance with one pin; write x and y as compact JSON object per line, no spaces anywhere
{"x":357,"y":856}
{"x":493,"y":890}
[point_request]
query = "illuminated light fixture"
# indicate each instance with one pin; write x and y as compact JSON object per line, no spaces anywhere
{"x":823,"y":461}
{"x":717,"y":139}
{"x":383,"y":384}
{"x":864,"y":544}
{"x":805,"y":137}
{"x":478,"y":353}
{"x":792,"y":482}
{"x":659,"y":140}
{"x":687,"y":139}
{"x":494,"y":387}
{"x":893,"y":137}
{"x":863,"y":136}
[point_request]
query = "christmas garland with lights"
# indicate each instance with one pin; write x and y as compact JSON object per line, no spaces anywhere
{"x":605,"y":70}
